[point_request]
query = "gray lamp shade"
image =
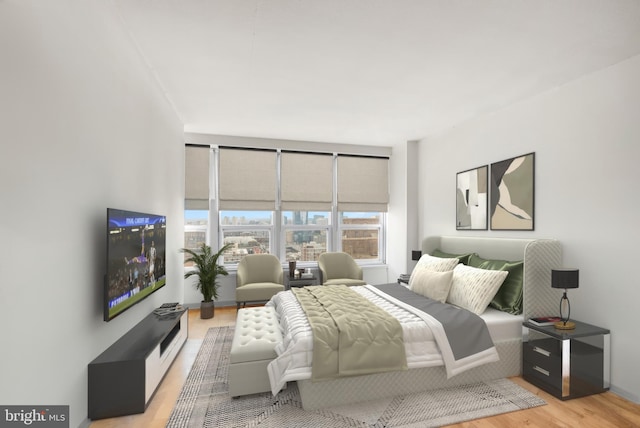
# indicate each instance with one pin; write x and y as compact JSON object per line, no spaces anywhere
{"x":564,"y":278}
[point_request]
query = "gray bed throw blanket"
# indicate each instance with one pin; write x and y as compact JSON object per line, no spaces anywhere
{"x":351,"y":335}
{"x":462,"y":336}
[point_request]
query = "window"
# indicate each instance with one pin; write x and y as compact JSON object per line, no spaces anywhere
{"x":360,"y":234}
{"x":197,"y":190}
{"x":196,"y":229}
{"x":293,"y":204}
{"x":249,"y":232}
{"x":306,"y":234}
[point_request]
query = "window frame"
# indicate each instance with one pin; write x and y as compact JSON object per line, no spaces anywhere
{"x":380,"y":227}
{"x":190,"y":228}
{"x":284,"y":228}
{"x":248,"y":228}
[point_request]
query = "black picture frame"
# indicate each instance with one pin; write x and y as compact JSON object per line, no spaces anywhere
{"x":472,"y":198}
{"x":512,"y":190}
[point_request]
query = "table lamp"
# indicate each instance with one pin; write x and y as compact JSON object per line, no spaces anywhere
{"x":564,"y":278}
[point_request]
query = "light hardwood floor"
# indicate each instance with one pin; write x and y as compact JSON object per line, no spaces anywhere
{"x":605,"y":410}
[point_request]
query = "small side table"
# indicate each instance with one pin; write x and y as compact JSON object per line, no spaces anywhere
{"x":404,"y":278}
{"x":567,"y":363}
{"x":301,"y":282}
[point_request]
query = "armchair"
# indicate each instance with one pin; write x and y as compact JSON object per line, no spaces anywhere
{"x":339,"y":268}
{"x":259,"y":277}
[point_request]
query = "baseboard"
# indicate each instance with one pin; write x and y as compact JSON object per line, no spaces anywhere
{"x":218,"y":304}
{"x":625,"y":394}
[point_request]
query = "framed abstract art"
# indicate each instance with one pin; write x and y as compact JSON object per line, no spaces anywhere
{"x":472,"y":199}
{"x":512,"y":185}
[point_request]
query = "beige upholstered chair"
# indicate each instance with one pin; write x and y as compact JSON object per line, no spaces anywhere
{"x":259,"y":277}
{"x":339,"y":268}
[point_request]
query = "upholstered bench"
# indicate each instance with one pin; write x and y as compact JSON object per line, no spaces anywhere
{"x":256,"y":335}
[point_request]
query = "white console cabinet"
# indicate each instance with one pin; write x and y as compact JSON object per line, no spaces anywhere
{"x":123,"y":378}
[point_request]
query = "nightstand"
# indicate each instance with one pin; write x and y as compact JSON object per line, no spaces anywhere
{"x":567,"y":363}
{"x":301,"y":282}
{"x":404,"y":278}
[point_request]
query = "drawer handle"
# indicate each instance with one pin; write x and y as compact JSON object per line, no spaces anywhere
{"x":541,"y":351}
{"x":541,"y":370}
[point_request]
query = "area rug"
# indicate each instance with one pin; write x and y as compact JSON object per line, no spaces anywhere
{"x":205,"y":402}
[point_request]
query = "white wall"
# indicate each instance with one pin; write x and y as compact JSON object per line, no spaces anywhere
{"x":586,"y":138}
{"x":83,"y":127}
{"x":396,"y":245}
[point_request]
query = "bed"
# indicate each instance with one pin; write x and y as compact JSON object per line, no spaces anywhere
{"x":539,"y":256}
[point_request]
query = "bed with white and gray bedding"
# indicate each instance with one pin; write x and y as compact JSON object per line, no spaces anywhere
{"x":443,"y":344}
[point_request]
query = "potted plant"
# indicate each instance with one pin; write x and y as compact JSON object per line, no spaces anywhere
{"x":207,"y":269}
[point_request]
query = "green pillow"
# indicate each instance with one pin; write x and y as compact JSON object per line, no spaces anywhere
{"x":509,"y":296}
{"x":464,"y":258}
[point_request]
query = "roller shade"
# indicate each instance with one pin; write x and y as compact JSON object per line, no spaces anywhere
{"x":306,"y":181}
{"x":363,"y":183}
{"x":196,"y":185}
{"x":247,"y":179}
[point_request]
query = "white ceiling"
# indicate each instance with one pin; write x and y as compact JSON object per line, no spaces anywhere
{"x":368,"y":71}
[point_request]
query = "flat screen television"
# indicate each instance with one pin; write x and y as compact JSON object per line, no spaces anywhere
{"x":136,"y":256}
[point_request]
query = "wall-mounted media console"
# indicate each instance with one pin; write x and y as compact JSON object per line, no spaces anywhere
{"x":123,"y":378}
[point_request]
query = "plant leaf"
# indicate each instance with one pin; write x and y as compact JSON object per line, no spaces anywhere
{"x":206,"y":267}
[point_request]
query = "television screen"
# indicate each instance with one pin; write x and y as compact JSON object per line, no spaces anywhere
{"x":136,"y":256}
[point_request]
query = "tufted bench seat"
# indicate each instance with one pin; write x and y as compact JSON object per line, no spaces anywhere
{"x":256,"y":335}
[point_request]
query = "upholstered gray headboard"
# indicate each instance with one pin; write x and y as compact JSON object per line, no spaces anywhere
{"x":539,"y":256}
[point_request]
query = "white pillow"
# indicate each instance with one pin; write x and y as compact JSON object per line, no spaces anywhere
{"x":434,"y":285}
{"x":473,"y":288}
{"x":437,"y":264}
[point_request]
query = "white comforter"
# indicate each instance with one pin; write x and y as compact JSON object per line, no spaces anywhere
{"x":422,"y":346}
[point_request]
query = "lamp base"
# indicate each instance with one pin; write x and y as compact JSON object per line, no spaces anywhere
{"x":561,"y":325}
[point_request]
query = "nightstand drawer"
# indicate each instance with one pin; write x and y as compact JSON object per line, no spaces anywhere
{"x":545,"y":354}
{"x":542,"y":378}
{"x":302,"y":282}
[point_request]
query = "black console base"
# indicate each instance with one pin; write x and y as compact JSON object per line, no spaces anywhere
{"x":123,"y":378}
